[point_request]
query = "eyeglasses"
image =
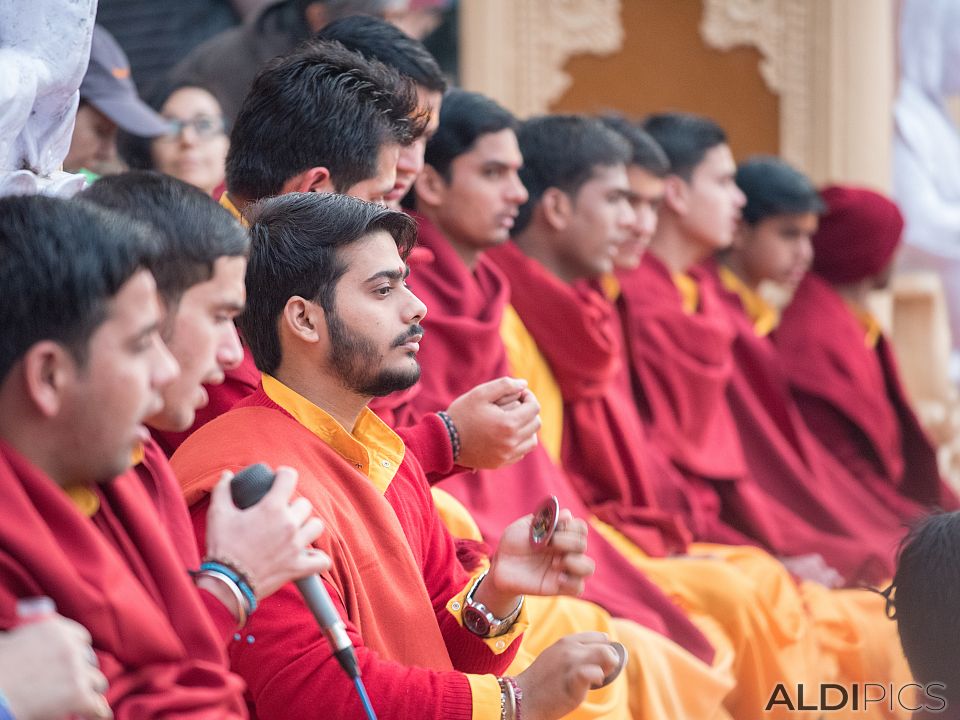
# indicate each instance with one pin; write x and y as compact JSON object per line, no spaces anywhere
{"x":204,"y":126}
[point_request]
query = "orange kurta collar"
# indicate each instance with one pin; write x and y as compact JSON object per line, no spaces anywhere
{"x":689,"y":292}
{"x":763,"y":315}
{"x":870,"y":324}
{"x":372,"y":448}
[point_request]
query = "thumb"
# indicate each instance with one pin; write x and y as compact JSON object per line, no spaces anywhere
{"x":494,"y":390}
{"x":220,"y":495}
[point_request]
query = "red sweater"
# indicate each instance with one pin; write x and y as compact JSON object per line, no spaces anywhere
{"x":395,"y":570}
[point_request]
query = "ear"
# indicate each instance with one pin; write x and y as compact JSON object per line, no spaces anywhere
{"x":304,"y":320}
{"x":556,"y":208}
{"x":48,"y":371}
{"x":316,"y":16}
{"x":676,"y":193}
{"x":316,"y":179}
{"x":430,"y":187}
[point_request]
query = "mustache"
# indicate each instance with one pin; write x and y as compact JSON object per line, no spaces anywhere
{"x":411,"y":332}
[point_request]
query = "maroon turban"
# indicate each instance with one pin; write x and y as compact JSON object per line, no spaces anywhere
{"x":858,"y":234}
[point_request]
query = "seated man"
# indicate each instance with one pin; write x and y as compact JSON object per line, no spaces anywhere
{"x":331,"y":324}
{"x":82,"y":367}
{"x":841,"y":367}
{"x":773,"y":245}
{"x":680,"y":342}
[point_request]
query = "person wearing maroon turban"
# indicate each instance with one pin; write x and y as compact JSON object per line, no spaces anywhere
{"x":840,"y":365}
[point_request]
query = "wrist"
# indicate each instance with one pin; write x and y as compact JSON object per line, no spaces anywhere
{"x":500,"y":602}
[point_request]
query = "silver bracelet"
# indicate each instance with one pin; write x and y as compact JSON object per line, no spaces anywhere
{"x":234,"y":590}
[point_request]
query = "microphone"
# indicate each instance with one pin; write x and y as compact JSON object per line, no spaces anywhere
{"x":247,"y":488}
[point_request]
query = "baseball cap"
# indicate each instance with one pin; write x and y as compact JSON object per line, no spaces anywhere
{"x":108,"y":86}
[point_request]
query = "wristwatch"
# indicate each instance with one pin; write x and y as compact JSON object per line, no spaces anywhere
{"x":478,"y":619}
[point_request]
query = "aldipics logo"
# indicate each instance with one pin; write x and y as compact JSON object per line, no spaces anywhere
{"x":862,"y":697}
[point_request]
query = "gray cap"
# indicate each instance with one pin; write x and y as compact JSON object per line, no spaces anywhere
{"x":109,"y":87}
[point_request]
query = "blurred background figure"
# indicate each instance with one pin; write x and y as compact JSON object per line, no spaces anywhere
{"x":926,"y":147}
{"x":228,"y":62}
{"x":43,"y":56}
{"x":194,"y":146}
{"x":108,"y":101}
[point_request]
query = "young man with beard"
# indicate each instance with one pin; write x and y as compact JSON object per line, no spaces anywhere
{"x":318,"y":120}
{"x":841,"y":368}
{"x":332,"y":323}
{"x":83,"y":367}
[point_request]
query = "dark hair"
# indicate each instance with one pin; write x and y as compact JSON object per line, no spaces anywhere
{"x":773,"y":187}
{"x":564,"y":151}
{"x":137,"y":151}
{"x":464,"y":117}
{"x":685,"y":138}
{"x":61,"y":262}
{"x":646,"y":153}
{"x":294,"y":251}
{"x":377,"y":39}
{"x":925,"y":593}
{"x":322,"y":105}
{"x":192,"y":229}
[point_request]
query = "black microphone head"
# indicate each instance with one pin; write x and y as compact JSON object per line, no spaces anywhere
{"x":251,"y":484}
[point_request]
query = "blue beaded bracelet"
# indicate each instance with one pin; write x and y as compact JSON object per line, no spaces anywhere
{"x":235,"y":577}
{"x":5,"y":712}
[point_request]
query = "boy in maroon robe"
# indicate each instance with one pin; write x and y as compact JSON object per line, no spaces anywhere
{"x":680,"y":340}
{"x":841,"y":367}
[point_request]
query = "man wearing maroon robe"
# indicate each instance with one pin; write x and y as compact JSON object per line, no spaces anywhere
{"x":680,"y":342}
{"x":78,"y":381}
{"x":841,"y":367}
{"x":470,"y":187}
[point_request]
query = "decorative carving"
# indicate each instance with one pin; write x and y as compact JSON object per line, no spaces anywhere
{"x":521,"y":63}
{"x":782,"y":31}
{"x":550,"y":32}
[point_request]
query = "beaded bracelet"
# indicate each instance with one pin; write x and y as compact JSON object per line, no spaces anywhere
{"x":6,"y":713}
{"x":452,"y":432}
{"x":237,"y":577}
{"x":232,"y":586}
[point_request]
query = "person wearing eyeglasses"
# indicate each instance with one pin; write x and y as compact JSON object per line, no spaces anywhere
{"x":194,"y":146}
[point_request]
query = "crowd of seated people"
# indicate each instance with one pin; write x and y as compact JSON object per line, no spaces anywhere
{"x":526,"y":409}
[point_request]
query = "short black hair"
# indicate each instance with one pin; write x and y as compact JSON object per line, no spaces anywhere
{"x":564,"y":151}
{"x":321,"y":105}
{"x":924,"y":599}
{"x":464,"y":117}
{"x":376,"y":39}
{"x":137,"y":151}
{"x":61,"y":262}
{"x":774,"y":187}
{"x":192,"y":229}
{"x":685,"y":138}
{"x":294,"y":251}
{"x":645,"y":151}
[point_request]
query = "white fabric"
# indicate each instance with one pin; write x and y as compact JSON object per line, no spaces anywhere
{"x":926,"y":152}
{"x":44,"y":51}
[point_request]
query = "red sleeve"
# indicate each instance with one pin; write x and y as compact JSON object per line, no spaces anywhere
{"x":429,"y":441}
{"x":443,"y":574}
{"x":290,"y":670}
